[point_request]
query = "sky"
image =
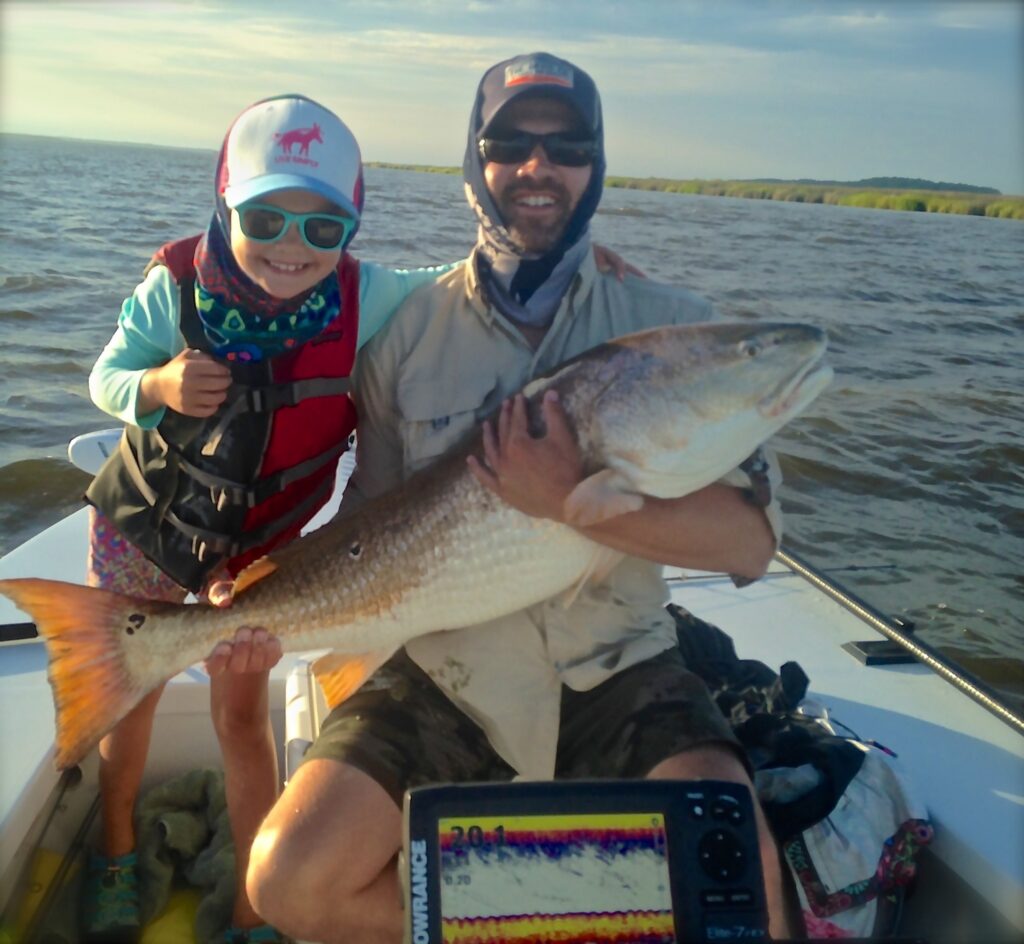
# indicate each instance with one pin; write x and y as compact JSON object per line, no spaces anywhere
{"x":736,"y":89}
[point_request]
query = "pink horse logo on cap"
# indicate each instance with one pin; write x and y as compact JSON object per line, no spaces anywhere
{"x":301,"y":136}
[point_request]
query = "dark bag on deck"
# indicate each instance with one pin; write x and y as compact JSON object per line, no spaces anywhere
{"x":845,"y":816}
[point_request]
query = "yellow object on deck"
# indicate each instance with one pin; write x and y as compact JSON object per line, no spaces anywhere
{"x":178,"y":922}
{"x":41,"y":874}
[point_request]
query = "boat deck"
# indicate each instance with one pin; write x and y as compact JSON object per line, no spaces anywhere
{"x":968,"y":764}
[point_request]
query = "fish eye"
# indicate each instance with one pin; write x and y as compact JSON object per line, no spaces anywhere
{"x":750,"y":348}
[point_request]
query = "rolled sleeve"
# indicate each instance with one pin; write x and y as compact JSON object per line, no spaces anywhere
{"x":760,"y":477}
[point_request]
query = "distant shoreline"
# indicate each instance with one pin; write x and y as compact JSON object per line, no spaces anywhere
{"x":921,"y":201}
{"x":973,"y":203}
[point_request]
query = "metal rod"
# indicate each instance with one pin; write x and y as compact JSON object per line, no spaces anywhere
{"x":70,"y":778}
{"x":963,"y":680}
{"x":776,"y":574}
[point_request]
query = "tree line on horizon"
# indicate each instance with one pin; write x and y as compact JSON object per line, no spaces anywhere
{"x":882,"y":183}
{"x":912,"y":194}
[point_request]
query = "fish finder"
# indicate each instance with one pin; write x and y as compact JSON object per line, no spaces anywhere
{"x":581,"y":862}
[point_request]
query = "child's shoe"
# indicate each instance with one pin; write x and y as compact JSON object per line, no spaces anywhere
{"x":261,"y":934}
{"x":110,"y":901}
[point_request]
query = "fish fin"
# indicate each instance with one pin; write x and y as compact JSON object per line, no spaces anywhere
{"x":340,"y":674}
{"x":599,"y":497}
{"x":92,"y":686}
{"x":254,"y":573}
{"x":603,"y":562}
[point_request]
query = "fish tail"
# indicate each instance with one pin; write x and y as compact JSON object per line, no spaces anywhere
{"x":92,"y":687}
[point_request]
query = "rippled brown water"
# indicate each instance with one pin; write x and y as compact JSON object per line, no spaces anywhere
{"x":911,"y":467}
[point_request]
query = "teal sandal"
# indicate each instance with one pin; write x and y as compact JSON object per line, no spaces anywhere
{"x":110,"y":901}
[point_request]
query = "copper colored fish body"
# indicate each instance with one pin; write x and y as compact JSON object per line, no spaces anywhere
{"x":662,"y":412}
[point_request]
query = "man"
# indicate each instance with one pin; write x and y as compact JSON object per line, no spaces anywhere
{"x":549,"y":691}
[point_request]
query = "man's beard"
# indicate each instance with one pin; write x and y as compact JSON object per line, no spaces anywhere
{"x":535,"y":235}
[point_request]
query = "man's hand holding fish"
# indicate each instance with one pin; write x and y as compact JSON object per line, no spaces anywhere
{"x":715,"y":528}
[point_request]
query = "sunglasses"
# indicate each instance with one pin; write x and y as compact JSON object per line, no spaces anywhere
{"x":267,"y":224}
{"x":561,"y":148}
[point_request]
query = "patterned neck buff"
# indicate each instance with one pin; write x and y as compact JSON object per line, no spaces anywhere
{"x":241,"y":321}
{"x":527,"y":290}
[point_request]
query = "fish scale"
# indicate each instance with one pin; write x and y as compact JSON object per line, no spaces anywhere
{"x":670,"y":410}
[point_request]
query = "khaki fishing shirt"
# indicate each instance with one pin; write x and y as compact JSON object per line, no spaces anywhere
{"x":444,"y":362}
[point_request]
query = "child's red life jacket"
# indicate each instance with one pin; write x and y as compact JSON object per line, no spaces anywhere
{"x":199,"y":494}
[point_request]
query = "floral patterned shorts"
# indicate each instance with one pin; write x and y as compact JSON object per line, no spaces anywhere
{"x":114,"y":563}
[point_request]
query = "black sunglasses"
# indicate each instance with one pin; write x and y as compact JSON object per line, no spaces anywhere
{"x":561,"y":148}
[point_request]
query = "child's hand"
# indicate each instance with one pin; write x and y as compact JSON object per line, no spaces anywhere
{"x":193,"y":383}
{"x":252,"y":650}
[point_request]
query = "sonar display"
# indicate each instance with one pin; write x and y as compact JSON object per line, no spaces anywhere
{"x":560,"y":877}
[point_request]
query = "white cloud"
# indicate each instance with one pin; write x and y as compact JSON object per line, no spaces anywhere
{"x":816,"y":23}
{"x":403,"y":76}
{"x":980,"y":16}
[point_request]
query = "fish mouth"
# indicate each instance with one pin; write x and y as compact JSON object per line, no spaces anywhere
{"x":797,"y":391}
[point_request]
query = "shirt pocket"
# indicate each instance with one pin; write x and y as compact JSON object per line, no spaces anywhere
{"x":436,"y":415}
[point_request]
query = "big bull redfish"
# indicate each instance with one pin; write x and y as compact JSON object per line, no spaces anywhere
{"x":662,"y":412}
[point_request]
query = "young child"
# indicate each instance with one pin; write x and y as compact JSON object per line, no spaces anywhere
{"x":229,"y":367}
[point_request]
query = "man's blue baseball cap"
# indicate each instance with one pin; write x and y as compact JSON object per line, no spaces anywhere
{"x":542,"y":75}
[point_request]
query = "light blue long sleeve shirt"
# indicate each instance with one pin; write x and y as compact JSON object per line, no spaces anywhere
{"x":149,"y":332}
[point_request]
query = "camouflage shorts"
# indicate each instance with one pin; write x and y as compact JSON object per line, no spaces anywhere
{"x":403,"y":731}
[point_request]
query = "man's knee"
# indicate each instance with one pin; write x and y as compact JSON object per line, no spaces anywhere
{"x":290,"y":879}
{"x":714,"y":761}
{"x":276,"y":871}
{"x":301,"y":866}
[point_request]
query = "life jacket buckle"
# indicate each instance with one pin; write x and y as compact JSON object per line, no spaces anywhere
{"x":221,"y":495}
{"x":268,"y":399}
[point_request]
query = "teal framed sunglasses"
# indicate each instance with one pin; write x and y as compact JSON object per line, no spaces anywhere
{"x":264,"y":223}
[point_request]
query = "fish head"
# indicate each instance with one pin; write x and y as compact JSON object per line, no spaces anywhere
{"x":772,"y":371}
{"x":683,"y":405}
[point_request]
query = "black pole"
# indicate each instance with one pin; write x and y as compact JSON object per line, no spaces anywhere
{"x":952,"y":673}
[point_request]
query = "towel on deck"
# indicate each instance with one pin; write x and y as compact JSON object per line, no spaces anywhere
{"x":182,"y":831}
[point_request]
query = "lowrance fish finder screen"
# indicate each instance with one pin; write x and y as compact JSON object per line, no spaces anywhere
{"x":557,"y":877}
{"x":581,"y":862}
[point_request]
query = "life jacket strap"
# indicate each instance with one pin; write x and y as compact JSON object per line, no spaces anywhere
{"x":272,"y":397}
{"x":226,"y":491}
{"x":205,"y":541}
{"x":131,"y":464}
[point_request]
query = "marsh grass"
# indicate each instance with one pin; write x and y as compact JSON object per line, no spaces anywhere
{"x":916,"y":201}
{"x":425,"y":168}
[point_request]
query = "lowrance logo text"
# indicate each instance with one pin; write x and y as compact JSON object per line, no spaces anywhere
{"x":418,"y":890}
